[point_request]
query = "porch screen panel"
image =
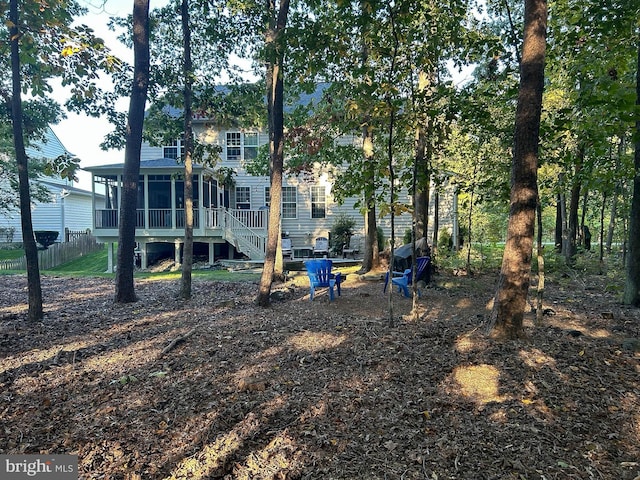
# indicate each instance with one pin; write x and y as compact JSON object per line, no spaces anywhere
{"x":159,"y":201}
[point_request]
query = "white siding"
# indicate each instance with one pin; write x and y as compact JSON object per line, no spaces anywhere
{"x":74,"y":212}
{"x":303,"y":230}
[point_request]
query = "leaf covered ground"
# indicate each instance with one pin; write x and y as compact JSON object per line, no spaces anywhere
{"x":321,"y":390}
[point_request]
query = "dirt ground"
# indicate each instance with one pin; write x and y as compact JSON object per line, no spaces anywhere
{"x":320,"y":390}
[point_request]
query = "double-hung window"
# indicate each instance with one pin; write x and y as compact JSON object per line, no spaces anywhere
{"x":173,"y":150}
{"x":318,"y":202}
{"x":234,"y":149}
{"x":241,"y":146}
{"x":243,"y":198}
{"x":289,"y":201}
{"x":250,"y":146}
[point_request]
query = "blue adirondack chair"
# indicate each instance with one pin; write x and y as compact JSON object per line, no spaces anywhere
{"x":320,"y":276}
{"x":403,"y":279}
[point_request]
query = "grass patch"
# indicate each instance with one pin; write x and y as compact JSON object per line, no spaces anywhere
{"x":11,"y":253}
{"x":95,"y":265}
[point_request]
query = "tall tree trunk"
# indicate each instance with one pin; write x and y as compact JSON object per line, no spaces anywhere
{"x":513,"y":286}
{"x":540,"y":253}
{"x":390,"y":163}
{"x":614,"y":200}
{"x":574,"y":203}
{"x":187,"y":68}
{"x":612,"y":217}
{"x":565,"y":224}
{"x":34,"y":287}
{"x":583,"y":214}
{"x":572,"y":225}
{"x":422,"y":195}
{"x":601,"y":242}
{"x":371,"y":253}
{"x":559,"y":226}
{"x":125,"y":291}
{"x":275,"y":111}
{"x":632,"y":284}
{"x":436,"y":221}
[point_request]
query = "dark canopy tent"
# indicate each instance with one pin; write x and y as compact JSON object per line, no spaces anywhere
{"x":402,"y":259}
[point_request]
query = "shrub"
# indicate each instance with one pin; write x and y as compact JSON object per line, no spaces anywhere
{"x":407,"y":236}
{"x":444,"y":240}
{"x":381,"y":239}
{"x":341,"y":231}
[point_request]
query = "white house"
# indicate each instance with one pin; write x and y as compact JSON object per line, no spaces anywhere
{"x":230,"y":218}
{"x":69,"y":208}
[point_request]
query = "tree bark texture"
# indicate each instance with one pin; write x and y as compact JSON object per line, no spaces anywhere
{"x":558,"y":226}
{"x":632,"y":284}
{"x":34,"y":286}
{"x":187,"y":249}
{"x":574,"y":203}
{"x":275,"y":112}
{"x":422,"y":195}
{"x":513,"y":285}
{"x":371,"y":253}
{"x":125,"y":291}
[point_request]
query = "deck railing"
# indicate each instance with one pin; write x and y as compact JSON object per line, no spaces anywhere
{"x":163,"y":218}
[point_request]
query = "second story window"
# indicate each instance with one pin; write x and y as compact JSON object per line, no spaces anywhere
{"x":243,"y":198}
{"x":234,"y":150}
{"x":318,"y":202}
{"x":250,"y":146}
{"x":289,"y":201}
{"x":241,"y":146}
{"x":173,"y":150}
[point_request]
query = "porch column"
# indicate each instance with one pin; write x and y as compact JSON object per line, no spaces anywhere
{"x":201,"y":202}
{"x":110,"y":246}
{"x":146,"y":205}
{"x":143,"y":255}
{"x":176,"y":257}
{"x":173,"y":205}
{"x":211,"y":254}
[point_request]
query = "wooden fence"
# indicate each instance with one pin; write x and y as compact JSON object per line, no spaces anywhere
{"x":58,"y":253}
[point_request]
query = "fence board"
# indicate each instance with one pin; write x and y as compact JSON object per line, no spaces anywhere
{"x":57,"y":254}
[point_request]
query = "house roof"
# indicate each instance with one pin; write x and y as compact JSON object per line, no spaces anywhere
{"x":53,"y":187}
{"x":291,"y":100}
{"x":168,"y":164}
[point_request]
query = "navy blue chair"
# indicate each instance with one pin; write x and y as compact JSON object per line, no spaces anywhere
{"x":402,"y":280}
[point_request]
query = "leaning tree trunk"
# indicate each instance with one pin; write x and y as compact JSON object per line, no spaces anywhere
{"x":513,"y":286}
{"x":632,"y":284}
{"x":127,"y":232}
{"x":34,"y":286}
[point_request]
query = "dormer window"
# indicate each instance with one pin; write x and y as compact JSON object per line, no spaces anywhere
{"x":173,"y":150}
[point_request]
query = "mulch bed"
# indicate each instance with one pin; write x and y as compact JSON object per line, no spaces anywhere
{"x":320,"y":390}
